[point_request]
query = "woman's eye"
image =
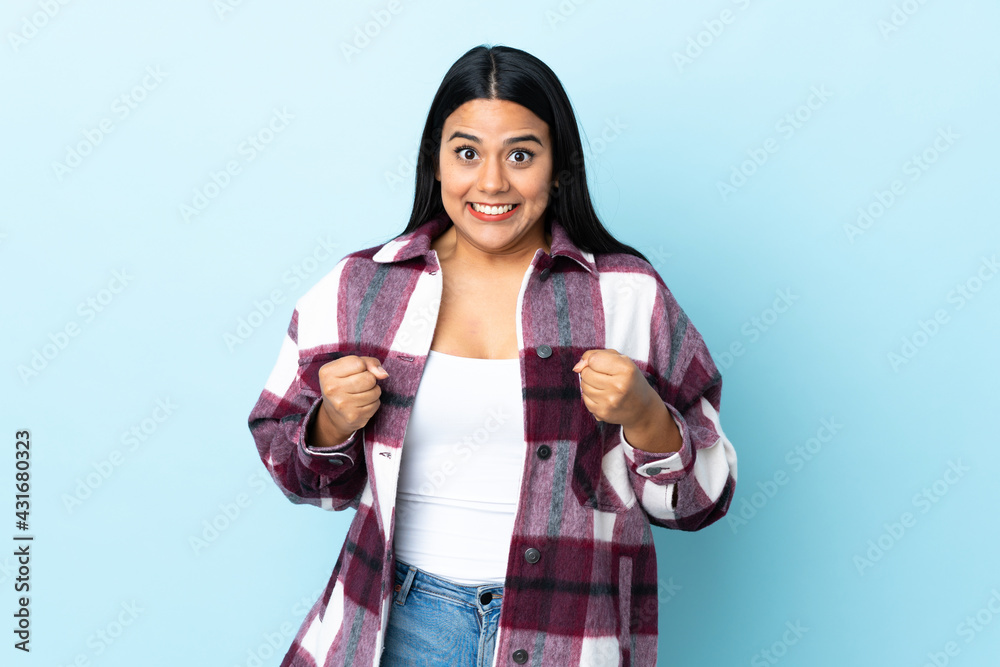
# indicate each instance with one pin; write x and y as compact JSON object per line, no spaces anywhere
{"x":469,"y":154}
{"x":522,"y":156}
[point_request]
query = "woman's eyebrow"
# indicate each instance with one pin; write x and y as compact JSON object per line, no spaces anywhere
{"x":507,"y":142}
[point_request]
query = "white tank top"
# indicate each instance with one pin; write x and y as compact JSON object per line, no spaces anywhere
{"x":460,"y":469}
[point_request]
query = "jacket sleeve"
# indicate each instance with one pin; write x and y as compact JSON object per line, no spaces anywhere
{"x":693,"y":487}
{"x":331,"y":478}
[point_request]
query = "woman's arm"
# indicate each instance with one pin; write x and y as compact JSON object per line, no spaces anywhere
{"x":299,"y":456}
{"x":692,"y":487}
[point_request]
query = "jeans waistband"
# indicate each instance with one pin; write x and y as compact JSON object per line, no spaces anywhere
{"x":483,"y":596}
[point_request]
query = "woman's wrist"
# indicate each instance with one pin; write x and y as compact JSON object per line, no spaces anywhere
{"x":657,"y":433}
{"x":323,"y":432}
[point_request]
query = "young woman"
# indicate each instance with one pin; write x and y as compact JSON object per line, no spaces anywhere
{"x":507,"y":396}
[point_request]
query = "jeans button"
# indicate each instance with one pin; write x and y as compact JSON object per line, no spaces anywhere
{"x":544,"y":351}
{"x":532,"y":555}
{"x":520,"y":656}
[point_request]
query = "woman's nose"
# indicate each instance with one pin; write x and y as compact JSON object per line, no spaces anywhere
{"x":491,"y":176}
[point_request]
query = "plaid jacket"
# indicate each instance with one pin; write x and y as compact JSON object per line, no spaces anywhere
{"x":586,"y":504}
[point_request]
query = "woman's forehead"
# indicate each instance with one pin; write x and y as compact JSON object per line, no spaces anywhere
{"x":493,"y":117}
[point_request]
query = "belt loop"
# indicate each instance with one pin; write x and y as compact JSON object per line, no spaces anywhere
{"x":407,"y":582}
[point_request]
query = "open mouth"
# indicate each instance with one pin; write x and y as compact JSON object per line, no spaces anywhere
{"x":492,"y":212}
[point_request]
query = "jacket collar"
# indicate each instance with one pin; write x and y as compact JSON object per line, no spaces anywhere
{"x":418,"y":242}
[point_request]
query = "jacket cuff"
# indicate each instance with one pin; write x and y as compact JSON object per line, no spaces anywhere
{"x":325,"y":460}
{"x":653,"y":465}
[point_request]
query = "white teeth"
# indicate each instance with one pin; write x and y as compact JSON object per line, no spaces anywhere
{"x":492,"y":210}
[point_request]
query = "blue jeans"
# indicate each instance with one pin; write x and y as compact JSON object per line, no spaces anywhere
{"x":435,"y":621}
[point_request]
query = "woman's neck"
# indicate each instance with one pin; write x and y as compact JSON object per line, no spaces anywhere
{"x":451,"y":249}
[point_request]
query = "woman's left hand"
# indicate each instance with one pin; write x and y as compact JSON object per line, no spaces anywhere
{"x":614,"y":389}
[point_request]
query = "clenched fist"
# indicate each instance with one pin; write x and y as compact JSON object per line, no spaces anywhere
{"x":613,"y":388}
{"x":615,"y":391}
{"x":350,"y":398}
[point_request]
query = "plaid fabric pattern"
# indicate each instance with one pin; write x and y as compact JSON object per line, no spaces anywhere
{"x":581,"y":583}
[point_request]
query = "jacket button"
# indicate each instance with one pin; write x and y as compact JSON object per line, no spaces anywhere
{"x":520,"y":656}
{"x":543,"y":275}
{"x":653,"y":471}
{"x":532,"y":555}
{"x":543,"y":451}
{"x":544,"y":351}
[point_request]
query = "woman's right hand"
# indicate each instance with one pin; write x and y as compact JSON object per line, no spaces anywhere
{"x":350,"y":397}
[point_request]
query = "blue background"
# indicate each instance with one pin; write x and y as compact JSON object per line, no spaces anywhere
{"x":807,"y":542}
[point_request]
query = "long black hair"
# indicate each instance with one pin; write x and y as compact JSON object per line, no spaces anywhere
{"x":506,"y":73}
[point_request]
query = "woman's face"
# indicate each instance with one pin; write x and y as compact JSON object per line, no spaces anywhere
{"x":495,"y":153}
